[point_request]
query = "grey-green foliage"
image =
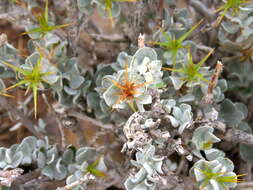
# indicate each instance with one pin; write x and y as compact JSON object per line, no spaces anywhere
{"x":45,"y":67}
{"x":203,"y":140}
{"x":178,"y":23}
{"x":240,"y":23}
{"x":149,"y":165}
{"x":197,"y":89}
{"x":240,"y":46}
{"x":36,"y":72}
{"x":94,"y":100}
{"x":72,"y":84}
{"x":175,"y":26}
{"x":101,"y":92}
{"x":52,"y":162}
{"x":82,"y":170}
{"x":214,"y":175}
{"x":179,"y":79}
{"x":45,"y":22}
{"x":246,"y":151}
{"x":87,"y":6}
{"x":218,"y":92}
{"x":196,"y":93}
{"x":146,"y":63}
{"x":180,"y":116}
{"x":50,"y":45}
{"x":232,"y":113}
{"x":142,"y":70}
{"x":102,"y":9}
{"x":10,"y":158}
{"x":240,"y":79}
{"x":149,"y":69}
{"x":8,"y":54}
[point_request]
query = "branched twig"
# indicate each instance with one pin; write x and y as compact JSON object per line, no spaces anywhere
{"x":181,"y":165}
{"x":250,"y":109}
{"x":204,"y":47}
{"x":238,"y":136}
{"x":245,"y":185}
{"x":63,"y":136}
{"x":43,"y":183}
{"x":75,"y":30}
{"x":27,"y":177}
{"x":8,"y":176}
{"x":115,"y":38}
{"x":19,"y":17}
{"x":202,"y":9}
{"x":10,"y":107}
{"x":91,"y":120}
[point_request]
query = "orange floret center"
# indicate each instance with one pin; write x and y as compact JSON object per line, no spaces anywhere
{"x":128,"y":88}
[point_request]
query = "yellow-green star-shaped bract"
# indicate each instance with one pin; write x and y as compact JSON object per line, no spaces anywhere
{"x":92,"y":169}
{"x":233,"y":5}
{"x":33,"y":79}
{"x":191,"y":70}
{"x":174,"y":45}
{"x":44,"y":26}
{"x":220,"y":177}
{"x":108,"y":6}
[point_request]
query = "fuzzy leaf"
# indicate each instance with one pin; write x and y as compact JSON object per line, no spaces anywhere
{"x":230,"y":113}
